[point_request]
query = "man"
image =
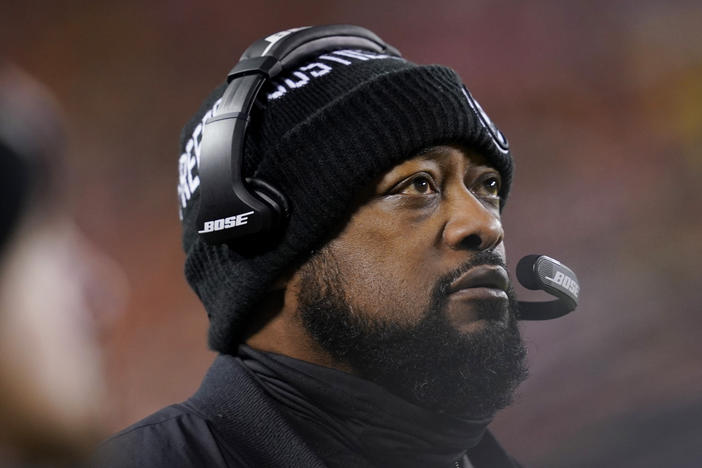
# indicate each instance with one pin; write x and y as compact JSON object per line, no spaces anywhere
{"x":57,"y":291}
{"x":376,"y":326}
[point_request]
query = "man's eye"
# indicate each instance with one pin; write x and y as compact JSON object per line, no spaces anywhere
{"x":492,"y":186}
{"x":422,"y":184}
{"x":488,"y":186}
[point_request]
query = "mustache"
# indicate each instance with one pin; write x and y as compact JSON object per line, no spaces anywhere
{"x":485,"y":257}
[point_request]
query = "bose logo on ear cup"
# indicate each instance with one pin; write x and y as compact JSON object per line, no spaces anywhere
{"x":226,"y":223}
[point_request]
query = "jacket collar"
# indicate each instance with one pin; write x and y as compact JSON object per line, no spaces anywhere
{"x":248,"y":421}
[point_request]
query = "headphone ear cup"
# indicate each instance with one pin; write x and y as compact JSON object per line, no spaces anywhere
{"x":272,"y":198}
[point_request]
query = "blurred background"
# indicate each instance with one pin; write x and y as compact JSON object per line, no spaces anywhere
{"x":602,"y":104}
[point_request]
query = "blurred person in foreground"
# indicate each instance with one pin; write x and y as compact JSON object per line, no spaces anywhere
{"x":56,"y":291}
{"x":376,"y":324}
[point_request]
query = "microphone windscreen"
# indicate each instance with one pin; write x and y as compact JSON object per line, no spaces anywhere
{"x":526,"y":272}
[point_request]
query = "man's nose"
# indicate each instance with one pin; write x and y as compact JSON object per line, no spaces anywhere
{"x":472,"y":224}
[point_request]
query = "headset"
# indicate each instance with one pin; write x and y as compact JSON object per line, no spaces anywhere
{"x":232,"y":207}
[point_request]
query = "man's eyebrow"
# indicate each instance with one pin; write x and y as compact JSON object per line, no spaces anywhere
{"x":435,"y":150}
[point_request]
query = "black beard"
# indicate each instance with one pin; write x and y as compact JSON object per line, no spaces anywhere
{"x":429,"y":363}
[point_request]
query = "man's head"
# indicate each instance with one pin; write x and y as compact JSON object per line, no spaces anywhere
{"x":362,"y":145}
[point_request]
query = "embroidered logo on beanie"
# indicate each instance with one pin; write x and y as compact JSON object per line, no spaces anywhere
{"x":321,"y":66}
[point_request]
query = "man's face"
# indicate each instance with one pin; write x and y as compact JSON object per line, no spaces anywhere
{"x":413,"y":294}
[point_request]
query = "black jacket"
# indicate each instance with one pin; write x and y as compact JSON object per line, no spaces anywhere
{"x":232,"y":422}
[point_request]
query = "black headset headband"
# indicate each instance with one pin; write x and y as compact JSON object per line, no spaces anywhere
{"x":231,"y":208}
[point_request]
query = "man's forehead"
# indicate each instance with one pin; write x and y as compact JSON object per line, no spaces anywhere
{"x":441,"y":154}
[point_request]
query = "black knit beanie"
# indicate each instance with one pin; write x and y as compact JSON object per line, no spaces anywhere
{"x":321,"y":134}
